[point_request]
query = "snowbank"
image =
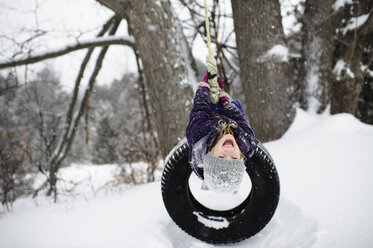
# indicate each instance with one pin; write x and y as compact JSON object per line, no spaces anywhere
{"x":326,"y":172}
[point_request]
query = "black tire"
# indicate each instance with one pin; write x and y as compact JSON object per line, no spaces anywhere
{"x":245,"y":220}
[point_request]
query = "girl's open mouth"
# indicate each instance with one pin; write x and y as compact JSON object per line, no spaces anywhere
{"x":228,"y":143}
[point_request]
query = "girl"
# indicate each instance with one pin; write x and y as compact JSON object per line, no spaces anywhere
{"x":221,"y":142}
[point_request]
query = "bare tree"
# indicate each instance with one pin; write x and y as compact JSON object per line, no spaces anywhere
{"x":34,"y":58}
{"x":61,"y":145}
{"x":13,"y":181}
{"x":125,"y":133}
{"x":164,"y":69}
{"x":265,"y":70}
{"x":73,"y":122}
{"x":37,"y":110}
{"x":220,"y":18}
{"x":365,"y":106}
{"x":150,"y":140}
{"x":349,"y":67}
{"x":154,"y":27}
{"x":333,"y":45}
{"x":317,"y":54}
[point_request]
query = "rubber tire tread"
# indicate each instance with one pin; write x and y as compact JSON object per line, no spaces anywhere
{"x":245,"y":220}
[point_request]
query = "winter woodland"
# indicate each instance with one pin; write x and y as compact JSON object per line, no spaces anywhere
{"x":277,"y":57}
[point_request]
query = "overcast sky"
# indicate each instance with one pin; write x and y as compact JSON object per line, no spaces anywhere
{"x":63,"y":21}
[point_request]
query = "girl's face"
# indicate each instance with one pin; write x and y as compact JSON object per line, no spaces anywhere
{"x":227,"y":148}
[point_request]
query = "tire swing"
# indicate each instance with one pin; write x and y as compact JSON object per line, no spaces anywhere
{"x":220,"y":227}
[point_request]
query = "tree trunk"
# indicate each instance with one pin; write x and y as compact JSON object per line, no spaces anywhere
{"x":267,"y":78}
{"x":349,"y":80}
{"x":365,"y":106}
{"x":153,"y":26}
{"x":52,"y":182}
{"x":346,"y":93}
{"x":317,"y":51}
{"x":349,"y":77}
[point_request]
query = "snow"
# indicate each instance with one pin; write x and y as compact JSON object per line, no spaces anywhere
{"x":280,"y":52}
{"x":212,"y":199}
{"x":290,"y":23}
{"x":365,"y":69}
{"x":355,"y":23}
{"x":216,"y":223}
{"x":334,"y":173}
{"x":152,"y":28}
{"x":53,"y":52}
{"x":312,"y":88}
{"x":341,"y":66}
{"x":341,"y":3}
{"x":326,"y":173}
{"x":90,"y":178}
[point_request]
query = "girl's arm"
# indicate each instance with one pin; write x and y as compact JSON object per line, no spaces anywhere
{"x":231,"y":111}
{"x":199,"y":118}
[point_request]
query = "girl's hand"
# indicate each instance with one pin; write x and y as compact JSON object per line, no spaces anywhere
{"x":224,"y":98}
{"x":220,"y":81}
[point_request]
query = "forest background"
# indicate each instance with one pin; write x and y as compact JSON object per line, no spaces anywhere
{"x":273,"y":56}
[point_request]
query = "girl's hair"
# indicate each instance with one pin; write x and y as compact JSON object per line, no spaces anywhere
{"x":223,"y":129}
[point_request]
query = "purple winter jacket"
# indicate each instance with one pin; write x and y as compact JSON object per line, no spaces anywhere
{"x":202,"y":130}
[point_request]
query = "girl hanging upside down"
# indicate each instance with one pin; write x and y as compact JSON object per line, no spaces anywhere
{"x":221,"y":142}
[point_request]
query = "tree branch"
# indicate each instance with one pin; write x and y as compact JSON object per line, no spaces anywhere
{"x":367,"y":27}
{"x":87,"y":94}
{"x":100,"y":41}
{"x":78,"y":80}
{"x":359,"y":33}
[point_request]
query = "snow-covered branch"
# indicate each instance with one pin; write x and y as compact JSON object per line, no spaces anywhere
{"x":36,"y":57}
{"x":355,"y":23}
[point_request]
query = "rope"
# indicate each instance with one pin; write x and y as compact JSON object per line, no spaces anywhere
{"x":207,"y":23}
{"x":211,"y":64}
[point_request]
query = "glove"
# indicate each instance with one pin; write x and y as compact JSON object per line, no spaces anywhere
{"x":224,"y":98}
{"x":220,"y":81}
{"x":203,"y":85}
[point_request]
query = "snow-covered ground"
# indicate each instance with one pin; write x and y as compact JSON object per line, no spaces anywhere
{"x":325,"y":165}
